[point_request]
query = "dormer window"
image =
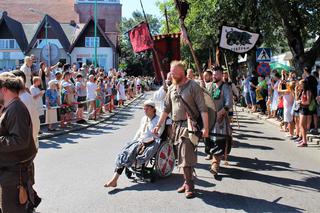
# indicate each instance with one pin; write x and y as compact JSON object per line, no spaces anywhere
{"x":8,"y":44}
{"x":89,"y":42}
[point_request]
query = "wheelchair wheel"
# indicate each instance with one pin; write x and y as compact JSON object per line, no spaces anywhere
{"x":164,"y":160}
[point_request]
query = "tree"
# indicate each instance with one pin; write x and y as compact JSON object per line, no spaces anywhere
{"x":276,"y":20}
{"x":132,"y":63}
{"x":301,"y":22}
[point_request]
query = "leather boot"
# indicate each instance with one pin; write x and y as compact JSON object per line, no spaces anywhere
{"x":182,"y":188}
{"x":189,"y":188}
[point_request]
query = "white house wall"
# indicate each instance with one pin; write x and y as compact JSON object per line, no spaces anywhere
{"x":88,"y":53}
{"x":37,"y":52}
{"x":13,"y":54}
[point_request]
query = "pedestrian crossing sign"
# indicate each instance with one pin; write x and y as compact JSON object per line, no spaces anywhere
{"x":263,"y":54}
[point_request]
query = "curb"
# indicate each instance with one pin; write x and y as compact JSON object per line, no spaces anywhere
{"x":86,"y":126}
{"x":311,"y":138}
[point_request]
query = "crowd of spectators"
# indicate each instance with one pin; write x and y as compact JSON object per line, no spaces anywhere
{"x":291,"y":99}
{"x":63,"y":93}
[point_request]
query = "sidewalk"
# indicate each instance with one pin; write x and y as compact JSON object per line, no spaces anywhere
{"x":76,"y":127}
{"x":312,"y":139}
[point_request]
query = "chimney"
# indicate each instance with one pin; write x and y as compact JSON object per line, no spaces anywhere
{"x":73,"y":23}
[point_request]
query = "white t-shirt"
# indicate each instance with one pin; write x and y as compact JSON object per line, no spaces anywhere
{"x":91,"y":91}
{"x":36,"y":91}
{"x":138,"y":82}
{"x":159,"y":97}
{"x":27,"y":99}
{"x":27,"y":71}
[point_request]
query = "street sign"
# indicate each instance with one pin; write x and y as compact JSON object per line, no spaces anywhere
{"x":263,"y":69}
{"x":263,"y":54}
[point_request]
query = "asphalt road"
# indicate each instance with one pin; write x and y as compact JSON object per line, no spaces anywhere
{"x":267,"y":173}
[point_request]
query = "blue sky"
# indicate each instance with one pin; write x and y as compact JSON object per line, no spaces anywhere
{"x":128,"y":6}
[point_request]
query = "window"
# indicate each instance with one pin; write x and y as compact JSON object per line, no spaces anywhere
{"x":98,"y":1}
{"x":8,"y":44}
{"x":89,"y":42}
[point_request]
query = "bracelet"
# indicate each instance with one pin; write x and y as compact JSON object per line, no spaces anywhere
{"x":158,"y":125}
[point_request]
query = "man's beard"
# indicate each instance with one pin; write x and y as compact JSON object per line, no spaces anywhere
{"x":215,"y":80}
{"x":176,"y":81}
{"x":1,"y":99}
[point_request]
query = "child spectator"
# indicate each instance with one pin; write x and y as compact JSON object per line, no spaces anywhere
{"x":100,"y":95}
{"x":66,"y":104}
{"x":91,"y":97}
{"x":81,"y":91}
{"x":296,"y":113}
{"x":107,"y":101}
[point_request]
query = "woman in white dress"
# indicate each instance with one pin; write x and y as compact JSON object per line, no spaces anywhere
{"x":121,"y":95}
{"x":287,"y":90}
{"x":275,"y":97}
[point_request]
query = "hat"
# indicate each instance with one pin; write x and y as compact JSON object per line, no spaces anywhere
{"x":84,"y":65}
{"x":58,"y":72}
{"x":149,"y":103}
{"x":66,"y":84}
{"x":52,"y":82}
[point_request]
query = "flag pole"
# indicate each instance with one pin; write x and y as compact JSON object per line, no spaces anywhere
{"x":234,"y":106}
{"x":154,"y":50}
{"x":184,"y":32}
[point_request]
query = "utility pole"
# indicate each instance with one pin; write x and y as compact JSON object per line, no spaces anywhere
{"x":95,"y":33}
{"x":46,"y":32}
{"x":167,"y":21}
{"x":47,"y":46}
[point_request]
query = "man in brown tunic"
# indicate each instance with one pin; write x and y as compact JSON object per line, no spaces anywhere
{"x":17,"y":150}
{"x":192,"y":94}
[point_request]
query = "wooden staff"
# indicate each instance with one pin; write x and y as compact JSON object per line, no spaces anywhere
{"x":154,"y":50}
{"x":234,"y":106}
{"x":184,"y":32}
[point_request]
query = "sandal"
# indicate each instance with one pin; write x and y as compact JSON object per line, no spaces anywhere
{"x":302,"y":145}
{"x":189,"y":191}
{"x":182,"y":189}
{"x":214,"y":168}
{"x":208,"y":157}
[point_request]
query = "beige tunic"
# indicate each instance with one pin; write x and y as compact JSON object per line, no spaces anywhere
{"x":192,"y":94}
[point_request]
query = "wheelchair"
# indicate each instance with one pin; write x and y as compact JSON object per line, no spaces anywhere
{"x":160,"y":165}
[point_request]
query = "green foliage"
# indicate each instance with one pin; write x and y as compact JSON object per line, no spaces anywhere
{"x":205,"y":18}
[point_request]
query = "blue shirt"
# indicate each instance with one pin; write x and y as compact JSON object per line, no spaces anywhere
{"x":52,"y":95}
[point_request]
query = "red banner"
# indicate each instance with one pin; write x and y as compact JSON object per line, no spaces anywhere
{"x":140,"y":38}
{"x":168,"y":50}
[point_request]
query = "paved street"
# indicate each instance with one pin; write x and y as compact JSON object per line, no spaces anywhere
{"x":266,"y":173}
